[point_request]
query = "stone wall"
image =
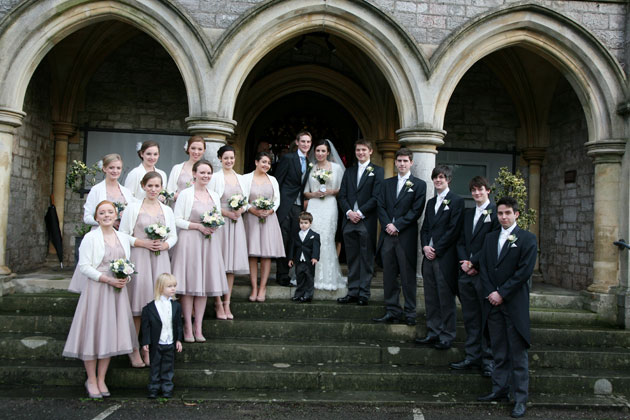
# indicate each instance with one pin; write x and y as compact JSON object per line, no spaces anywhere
{"x":31,"y":178}
{"x":566,"y":214}
{"x":480,"y":114}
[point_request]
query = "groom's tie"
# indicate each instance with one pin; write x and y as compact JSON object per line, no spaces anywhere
{"x":303,"y":163}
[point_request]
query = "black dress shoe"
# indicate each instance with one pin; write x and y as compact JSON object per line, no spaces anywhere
{"x":519,"y":410}
{"x":284,"y":282}
{"x":410,"y":321}
{"x":428,"y":340}
{"x":167,"y":395}
{"x":296,"y":298}
{"x":442,"y":345}
{"x":388,"y":319}
{"x":305,"y":299}
{"x":152,"y":395}
{"x":362,"y":302}
{"x":465,"y":365}
{"x":347,"y":299}
{"x":486,"y":371}
{"x":494,"y":396}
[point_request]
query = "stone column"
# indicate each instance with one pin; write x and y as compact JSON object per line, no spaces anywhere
{"x":388,"y":148}
{"x":215,"y":131}
{"x":9,"y":120}
{"x":62,"y":131}
{"x":534,"y":157}
{"x":606,"y":156}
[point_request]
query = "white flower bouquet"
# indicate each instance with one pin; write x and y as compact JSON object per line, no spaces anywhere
{"x":262,"y":203}
{"x":322,"y":176}
{"x":166,"y":197}
{"x":237,"y":202}
{"x":122,"y":269}
{"x":157,"y":231}
{"x":212,"y":219}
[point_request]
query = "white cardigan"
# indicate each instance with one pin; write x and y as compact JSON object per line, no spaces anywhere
{"x":217,"y":184}
{"x":184,"y":205}
{"x":97,"y":194}
{"x":247,"y":182}
{"x":92,"y":250}
{"x":135,"y":176}
{"x":130,"y":217}
{"x":173,"y":177}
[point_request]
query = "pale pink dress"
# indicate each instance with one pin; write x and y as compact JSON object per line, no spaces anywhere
{"x":263,"y":239}
{"x":197,"y":262}
{"x":148,"y":265}
{"x":102,"y":326}
{"x":184,"y":181}
{"x":234,"y":238}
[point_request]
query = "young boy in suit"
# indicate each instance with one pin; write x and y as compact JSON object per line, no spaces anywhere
{"x":304,"y":255}
{"x":162,"y":334}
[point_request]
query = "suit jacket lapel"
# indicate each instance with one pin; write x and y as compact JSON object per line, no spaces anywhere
{"x":153,"y":309}
{"x":507,"y":245}
{"x":364,"y":176}
{"x":479,"y":223}
{"x":404,"y":189}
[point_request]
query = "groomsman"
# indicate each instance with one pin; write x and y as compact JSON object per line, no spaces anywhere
{"x":400,"y":205}
{"x":438,"y":236}
{"x":291,"y":174}
{"x":507,"y":263}
{"x":357,"y":198}
{"x":478,"y":222}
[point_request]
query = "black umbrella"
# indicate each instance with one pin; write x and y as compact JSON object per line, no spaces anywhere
{"x":54,"y":233}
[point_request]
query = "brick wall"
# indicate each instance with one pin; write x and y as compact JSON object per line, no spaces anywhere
{"x":566,"y":214}
{"x":31,"y":178}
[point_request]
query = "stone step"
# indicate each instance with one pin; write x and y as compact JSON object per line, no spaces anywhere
{"x":332,"y":329}
{"x":41,"y":347}
{"x":311,"y":377}
{"x":64,"y":304}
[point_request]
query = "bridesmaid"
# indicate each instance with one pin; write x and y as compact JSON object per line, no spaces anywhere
{"x":197,"y":262}
{"x":149,"y":154}
{"x":102,"y":326}
{"x":181,"y":175}
{"x":149,"y":266}
{"x":227,"y":183}
{"x":264,"y":240}
{"x":108,"y":189}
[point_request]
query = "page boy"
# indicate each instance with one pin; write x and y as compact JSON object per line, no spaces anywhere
{"x":304,"y":254}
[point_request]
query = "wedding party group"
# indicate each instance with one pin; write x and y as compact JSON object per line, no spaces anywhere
{"x":190,"y":233}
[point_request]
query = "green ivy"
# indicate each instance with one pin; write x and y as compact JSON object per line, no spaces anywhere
{"x":513,"y":185}
{"x":78,"y":171}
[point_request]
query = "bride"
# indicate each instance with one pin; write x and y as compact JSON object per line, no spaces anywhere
{"x":322,"y":205}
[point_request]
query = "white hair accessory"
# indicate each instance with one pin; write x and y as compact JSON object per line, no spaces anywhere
{"x":138,"y":146}
{"x":100,"y":164}
{"x":186,"y":146}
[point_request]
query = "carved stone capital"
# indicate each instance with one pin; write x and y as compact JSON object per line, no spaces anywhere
{"x":10,"y":119}
{"x":63,"y":130}
{"x":534,"y":155}
{"x":212,"y":129}
{"x":606,"y":151}
{"x":420,"y":139}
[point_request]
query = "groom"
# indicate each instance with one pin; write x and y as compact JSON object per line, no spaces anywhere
{"x":291,"y":174}
{"x":357,"y":198}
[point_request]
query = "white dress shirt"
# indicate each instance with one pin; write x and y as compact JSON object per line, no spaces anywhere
{"x":440,"y":198}
{"x":478,"y":212}
{"x":303,"y":234}
{"x":401,"y":183}
{"x":360,"y":170}
{"x":503,"y":237}
{"x":165,"y":309}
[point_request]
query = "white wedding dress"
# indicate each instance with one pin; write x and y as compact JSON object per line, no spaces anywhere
{"x":324,"y":211}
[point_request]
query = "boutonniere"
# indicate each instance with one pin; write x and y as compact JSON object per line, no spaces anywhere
{"x":446,"y":202}
{"x":310,"y":165}
{"x":486,"y":213}
{"x":408,"y":184}
{"x":369,"y":171}
{"x":511,"y":239}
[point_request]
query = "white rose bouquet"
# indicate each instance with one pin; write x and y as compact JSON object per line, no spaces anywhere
{"x":322,"y":175}
{"x":262,"y":203}
{"x":212,"y":219}
{"x":237,"y":202}
{"x":122,"y":269}
{"x":157,"y":231}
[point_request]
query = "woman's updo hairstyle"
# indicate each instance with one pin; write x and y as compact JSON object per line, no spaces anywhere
{"x":102,"y":203}
{"x":202,"y":162}
{"x":145,"y":146}
{"x":108,"y":159}
{"x":195,"y":139}
{"x":149,"y":176}
{"x":261,"y":155}
{"x":223,"y":149}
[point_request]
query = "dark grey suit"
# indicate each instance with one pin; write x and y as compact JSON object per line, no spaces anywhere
{"x":471,"y":295}
{"x":305,"y":270}
{"x":508,"y":324}
{"x":399,"y":253}
{"x":360,"y":238}
{"x":440,"y":274}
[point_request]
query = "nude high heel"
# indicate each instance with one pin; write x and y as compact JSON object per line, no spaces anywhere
{"x":226,"y":308}
{"x":218,"y":308}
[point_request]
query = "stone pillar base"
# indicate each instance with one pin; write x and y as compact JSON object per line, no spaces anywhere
{"x":7,"y":287}
{"x":623,"y":309}
{"x":603,"y":304}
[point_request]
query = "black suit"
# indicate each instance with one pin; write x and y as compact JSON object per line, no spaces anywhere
{"x":291,"y":181}
{"x":360,"y":238}
{"x":399,"y":253}
{"x":305,"y":270}
{"x":508,"y":324}
{"x":471,"y":296}
{"x":440,"y":275}
{"x":162,"y":356}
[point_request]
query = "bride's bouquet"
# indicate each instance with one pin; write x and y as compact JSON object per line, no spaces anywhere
{"x":157,"y":231}
{"x":262,"y":203}
{"x":237,"y":202}
{"x":322,"y":176}
{"x":122,"y":268}
{"x":212,"y":219}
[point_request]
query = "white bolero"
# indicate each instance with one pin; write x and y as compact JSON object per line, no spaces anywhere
{"x":247,"y":181}
{"x":97,"y":194}
{"x":173,"y":177}
{"x":217,"y":183}
{"x":184,"y":205}
{"x":92,"y":250}
{"x":130,"y":216}
{"x":135,"y":176}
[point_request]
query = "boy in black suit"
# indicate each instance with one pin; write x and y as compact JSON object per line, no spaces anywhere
{"x":162,"y":334}
{"x":507,"y":263}
{"x":478,"y":222}
{"x":400,"y":205}
{"x":305,"y":253}
{"x":439,"y":234}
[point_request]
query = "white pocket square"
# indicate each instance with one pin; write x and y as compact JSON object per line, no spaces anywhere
{"x":371,"y":174}
{"x":446,"y":208}
{"x":513,"y":246}
{"x":409,"y":190}
{"x":487,"y":219}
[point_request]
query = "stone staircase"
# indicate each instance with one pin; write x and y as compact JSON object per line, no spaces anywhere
{"x":323,"y":352}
